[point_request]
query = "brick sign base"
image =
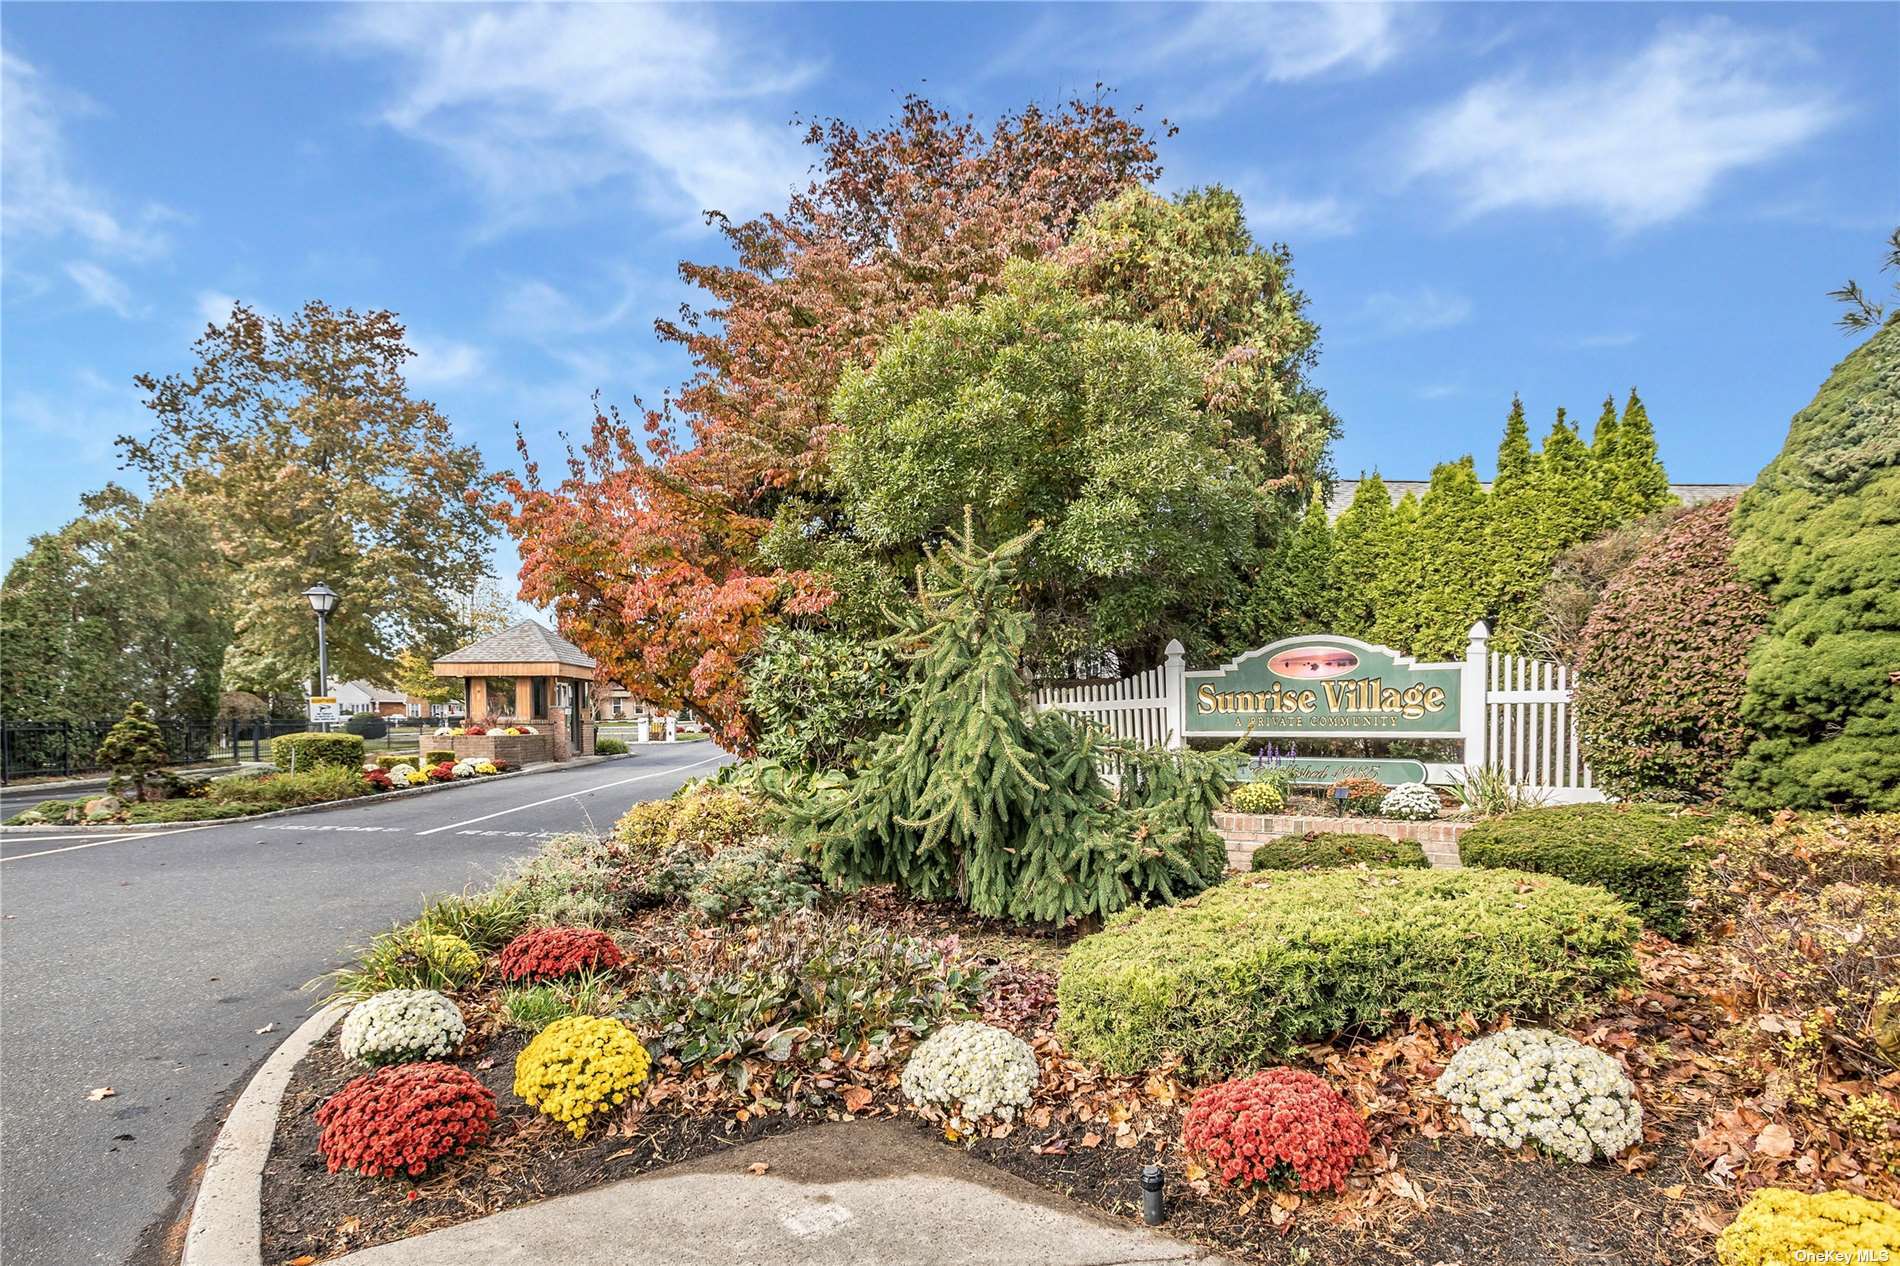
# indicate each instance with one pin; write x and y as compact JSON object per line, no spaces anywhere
{"x":1245,"y":832}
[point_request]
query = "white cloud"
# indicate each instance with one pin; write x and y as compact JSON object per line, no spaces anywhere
{"x":1639,"y":141}
{"x":543,"y":107}
{"x":87,"y":413}
{"x":214,"y":306}
{"x":1211,"y":54}
{"x":1284,"y":43}
{"x":441,"y":363}
{"x":1421,"y":310}
{"x":538,"y":309}
{"x":1439,"y":391}
{"x":1594,"y":342}
{"x":101,"y":287}
{"x":40,"y":194}
{"x":1283,"y":217}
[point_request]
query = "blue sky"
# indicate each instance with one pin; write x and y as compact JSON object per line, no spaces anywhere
{"x":1554,"y":200}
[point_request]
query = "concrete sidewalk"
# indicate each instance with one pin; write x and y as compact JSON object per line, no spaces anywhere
{"x":872,"y":1192}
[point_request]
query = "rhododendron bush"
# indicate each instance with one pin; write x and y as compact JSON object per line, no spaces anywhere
{"x":402,"y":1119}
{"x":544,"y":953}
{"x":1282,"y":1128}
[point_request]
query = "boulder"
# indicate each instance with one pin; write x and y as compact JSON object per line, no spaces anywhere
{"x":102,"y":808}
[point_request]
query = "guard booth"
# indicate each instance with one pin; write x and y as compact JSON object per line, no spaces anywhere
{"x":527,"y":674}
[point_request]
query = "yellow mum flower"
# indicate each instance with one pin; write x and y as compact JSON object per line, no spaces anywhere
{"x":580,"y":1066}
{"x":1778,"y":1227}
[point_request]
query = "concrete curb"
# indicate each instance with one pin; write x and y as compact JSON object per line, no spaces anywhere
{"x":227,"y":1215}
{"x":322,"y":806}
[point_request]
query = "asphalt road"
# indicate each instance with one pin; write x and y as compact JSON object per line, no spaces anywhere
{"x":148,"y":962}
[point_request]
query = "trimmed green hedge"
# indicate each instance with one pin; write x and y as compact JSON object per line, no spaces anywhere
{"x":1325,"y":850}
{"x":438,"y":756}
{"x":609,"y":747}
{"x":1647,"y":854}
{"x":313,"y":749}
{"x":1240,"y":975}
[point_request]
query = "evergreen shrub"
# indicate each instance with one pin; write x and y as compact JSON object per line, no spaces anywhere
{"x":311,"y":750}
{"x":1820,"y":533}
{"x":609,"y":747}
{"x":1324,"y":850}
{"x":1663,"y":664}
{"x":819,"y":695}
{"x":1648,"y":855}
{"x":1252,"y":968}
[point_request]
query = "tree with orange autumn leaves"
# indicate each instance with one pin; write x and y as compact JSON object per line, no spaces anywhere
{"x":673,"y":543}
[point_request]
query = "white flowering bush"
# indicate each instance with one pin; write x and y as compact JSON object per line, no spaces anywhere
{"x":1535,"y":1086}
{"x":1411,"y":800}
{"x":446,"y":731}
{"x":399,"y":1025}
{"x":969,"y":1071}
{"x":463,"y":769}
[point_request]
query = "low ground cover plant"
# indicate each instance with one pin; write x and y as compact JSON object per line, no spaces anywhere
{"x":969,"y":1071}
{"x":1281,"y":1128}
{"x":1534,"y":1086}
{"x":260,"y":793}
{"x":581,"y":1067}
{"x":547,"y":953}
{"x":754,"y":881}
{"x":609,"y":747}
{"x":1647,"y":854}
{"x":402,"y":1119}
{"x":1778,"y":1227}
{"x":534,"y":1007}
{"x":802,"y":984}
{"x":398,"y":1026}
{"x":1253,"y":967}
{"x":1324,"y":850}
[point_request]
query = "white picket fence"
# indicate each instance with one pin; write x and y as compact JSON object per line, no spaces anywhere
{"x":1515,"y":716}
{"x":1529,"y":731}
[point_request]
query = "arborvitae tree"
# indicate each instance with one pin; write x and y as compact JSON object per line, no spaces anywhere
{"x":1517,"y":464}
{"x":1294,"y":592}
{"x":1639,"y":485}
{"x":1449,"y":557}
{"x":1603,"y":439}
{"x":1574,"y":508}
{"x":1393,"y":587}
{"x":134,"y":749}
{"x":982,"y":799}
{"x":1359,"y":544}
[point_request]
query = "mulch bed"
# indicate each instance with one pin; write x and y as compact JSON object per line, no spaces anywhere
{"x":1428,"y":1193}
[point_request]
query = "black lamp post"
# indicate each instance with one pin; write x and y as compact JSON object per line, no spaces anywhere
{"x":322,"y":600}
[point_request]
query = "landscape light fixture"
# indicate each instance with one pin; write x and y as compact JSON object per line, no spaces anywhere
{"x":322,"y":600}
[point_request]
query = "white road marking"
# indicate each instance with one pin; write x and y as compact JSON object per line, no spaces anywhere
{"x":115,"y":839}
{"x":658,"y":773}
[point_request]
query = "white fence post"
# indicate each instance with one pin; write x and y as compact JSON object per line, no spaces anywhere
{"x":646,"y":729}
{"x":1174,"y":683}
{"x":672,"y":730}
{"x":1472,"y":716}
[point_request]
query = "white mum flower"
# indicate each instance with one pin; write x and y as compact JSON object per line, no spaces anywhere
{"x":463,"y":769}
{"x":1542,"y":1087}
{"x":399,"y":1025}
{"x":1412,"y":800}
{"x":971,"y":1070}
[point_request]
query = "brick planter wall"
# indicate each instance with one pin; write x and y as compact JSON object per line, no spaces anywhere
{"x":516,"y":749}
{"x":1245,"y":832}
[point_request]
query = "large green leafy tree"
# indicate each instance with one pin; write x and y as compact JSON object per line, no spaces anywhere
{"x":299,"y":443}
{"x":1820,"y":533}
{"x":128,"y":602}
{"x":1032,"y":409}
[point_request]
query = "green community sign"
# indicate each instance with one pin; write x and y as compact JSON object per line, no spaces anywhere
{"x":1324,"y":686}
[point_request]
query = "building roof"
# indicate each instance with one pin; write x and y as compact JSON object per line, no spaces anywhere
{"x":1343,"y":490}
{"x":377,"y":694}
{"x":529,"y":642}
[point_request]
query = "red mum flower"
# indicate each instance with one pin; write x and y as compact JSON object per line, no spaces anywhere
{"x":544,"y":953}
{"x":1281,"y":1128}
{"x":402,"y":1119}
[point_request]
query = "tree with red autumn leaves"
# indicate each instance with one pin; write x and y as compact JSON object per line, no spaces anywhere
{"x":675,"y":541}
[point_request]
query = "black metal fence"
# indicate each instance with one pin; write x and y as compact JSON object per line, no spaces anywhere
{"x":36,"y":749}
